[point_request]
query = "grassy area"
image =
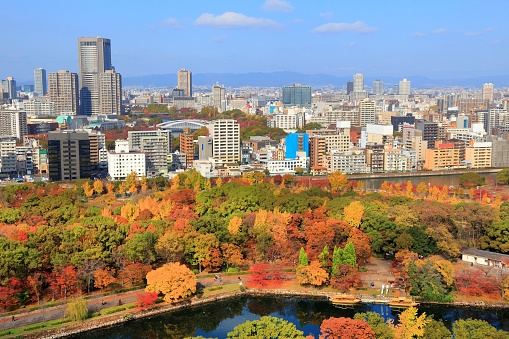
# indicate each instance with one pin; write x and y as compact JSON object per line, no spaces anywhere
{"x":26,"y":330}
{"x":214,"y":290}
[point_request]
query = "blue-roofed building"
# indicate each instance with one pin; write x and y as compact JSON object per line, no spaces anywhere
{"x":296,"y":142}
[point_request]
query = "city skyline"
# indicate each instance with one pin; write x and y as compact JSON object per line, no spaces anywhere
{"x":432,"y":39}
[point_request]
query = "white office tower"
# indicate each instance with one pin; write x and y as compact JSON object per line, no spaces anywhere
{"x":358,"y":83}
{"x":404,"y":87}
{"x":378,"y":87}
{"x":225,"y":140}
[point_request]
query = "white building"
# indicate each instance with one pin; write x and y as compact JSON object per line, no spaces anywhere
{"x":404,"y":87}
{"x":225,"y":140}
{"x":122,"y":162}
{"x":13,"y":123}
{"x":8,"y":156}
{"x":353,"y":161}
{"x":287,"y":166}
{"x":38,"y":108}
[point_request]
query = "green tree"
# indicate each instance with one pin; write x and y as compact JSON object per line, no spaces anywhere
{"x":337,"y":259}
{"x":503,"y":176}
{"x":349,"y":256}
{"x":303,"y":257}
{"x":77,"y":309}
{"x":266,"y":327}
{"x":436,"y":330}
{"x":377,"y":323}
{"x":324,"y":257}
{"x":475,"y":329}
{"x":472,"y":179}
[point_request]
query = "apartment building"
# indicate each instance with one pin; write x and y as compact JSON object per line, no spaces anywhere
{"x":68,"y":155}
{"x":225,"y":135}
{"x":478,"y":154}
{"x":123,"y":162}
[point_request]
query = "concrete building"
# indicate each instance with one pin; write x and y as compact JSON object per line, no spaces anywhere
{"x":135,"y":138}
{"x":443,"y":156}
{"x":358,"y":83}
{"x":286,"y":121}
{"x":187,"y":147}
{"x":219,"y":97}
{"x":349,"y":162}
{"x":295,"y":143}
{"x":13,"y":123}
{"x":296,"y":95}
{"x":349,"y":87}
{"x":8,"y":87}
{"x":286,"y":166}
{"x":123,"y":162}
{"x":110,"y":98}
{"x":404,"y":87}
{"x":97,"y":147}
{"x":39,"y":108}
{"x":40,"y":82}
{"x":429,"y":132}
{"x":64,"y":92}
{"x":68,"y":155}
{"x":94,"y":57}
{"x":378,"y":87}
{"x":225,"y":135}
{"x":185,"y":82}
{"x":8,"y":157}
{"x":156,"y":154}
{"x":375,"y":157}
{"x":487,"y":92}
{"x":367,"y":112}
{"x":394,"y":161}
{"x":478,"y":154}
{"x":205,"y":146}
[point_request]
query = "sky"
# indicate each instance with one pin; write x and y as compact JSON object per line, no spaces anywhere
{"x":433,"y":38}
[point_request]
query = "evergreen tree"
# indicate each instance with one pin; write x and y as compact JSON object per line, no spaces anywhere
{"x":337,"y":259}
{"x":303,"y":258}
{"x":324,"y":257}
{"x":349,"y":257}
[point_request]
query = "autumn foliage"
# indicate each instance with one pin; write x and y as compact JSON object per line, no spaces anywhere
{"x":174,"y":280}
{"x":265,"y":276}
{"x":145,"y":299}
{"x":345,"y":328}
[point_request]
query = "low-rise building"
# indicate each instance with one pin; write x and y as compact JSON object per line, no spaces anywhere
{"x":123,"y":162}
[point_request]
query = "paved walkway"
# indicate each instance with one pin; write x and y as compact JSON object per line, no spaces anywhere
{"x":95,"y":303}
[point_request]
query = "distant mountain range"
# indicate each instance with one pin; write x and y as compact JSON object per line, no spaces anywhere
{"x":279,"y":79}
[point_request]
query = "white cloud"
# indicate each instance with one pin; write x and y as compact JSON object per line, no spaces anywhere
{"x":277,"y":6}
{"x":327,"y":15}
{"x":171,"y":23}
{"x":234,"y":20}
{"x":219,"y":38}
{"x":439,"y":30}
{"x":340,"y":27}
{"x":418,"y":34}
{"x":477,"y":33}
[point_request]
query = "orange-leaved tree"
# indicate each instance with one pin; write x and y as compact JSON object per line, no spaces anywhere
{"x":345,"y":328}
{"x":103,"y":278}
{"x":312,"y":274}
{"x":174,"y":280}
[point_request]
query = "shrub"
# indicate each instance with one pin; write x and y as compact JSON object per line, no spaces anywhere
{"x":114,"y":309}
{"x":146,"y":299}
{"x":233,"y":270}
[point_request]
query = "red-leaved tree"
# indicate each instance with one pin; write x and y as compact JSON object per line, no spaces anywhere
{"x":265,"y":275}
{"x":345,"y":328}
{"x":146,"y":299}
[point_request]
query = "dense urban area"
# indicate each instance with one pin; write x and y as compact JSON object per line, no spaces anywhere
{"x":146,"y":191}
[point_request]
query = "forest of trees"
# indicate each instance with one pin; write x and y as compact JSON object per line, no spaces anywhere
{"x":56,"y":242}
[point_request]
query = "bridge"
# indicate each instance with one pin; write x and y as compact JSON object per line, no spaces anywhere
{"x":192,"y":124}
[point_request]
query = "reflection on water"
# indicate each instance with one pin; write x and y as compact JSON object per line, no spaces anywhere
{"x":219,"y":318}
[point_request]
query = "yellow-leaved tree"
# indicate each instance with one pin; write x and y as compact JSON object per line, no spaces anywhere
{"x":410,"y":325}
{"x":353,"y":214}
{"x":338,"y":181}
{"x":174,"y":280}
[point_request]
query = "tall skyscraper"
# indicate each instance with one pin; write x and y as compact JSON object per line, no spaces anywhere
{"x":40,"y":82}
{"x":378,"y":87}
{"x":64,"y":92}
{"x":68,"y":155}
{"x":367,"y":112}
{"x":487,"y":92}
{"x":185,"y":82}
{"x":349,"y":87}
{"x":297,"y":95}
{"x":358,"y":83}
{"x":404,"y":87}
{"x":8,"y":86}
{"x":219,"y":97}
{"x":111,"y":93}
{"x":225,"y":140}
{"x":94,"y":57}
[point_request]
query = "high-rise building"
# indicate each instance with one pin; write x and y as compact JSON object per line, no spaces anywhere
{"x":63,"y":91}
{"x":40,"y":82}
{"x":349,"y":87}
{"x":404,"y":87}
{"x":156,"y":145}
{"x":358,"y":83}
{"x":8,"y":158}
{"x":367,"y":112}
{"x":296,"y":95}
{"x":110,"y":98}
{"x":487,"y":92}
{"x":68,"y":155}
{"x":13,"y":123}
{"x":94,"y":57}
{"x":187,"y":147}
{"x":225,"y":140}
{"x":185,"y":82}
{"x":219,"y":97}
{"x":378,"y":87}
{"x":296,"y":142}
{"x":8,"y":87}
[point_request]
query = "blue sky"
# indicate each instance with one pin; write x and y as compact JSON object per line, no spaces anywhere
{"x":437,"y":39}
